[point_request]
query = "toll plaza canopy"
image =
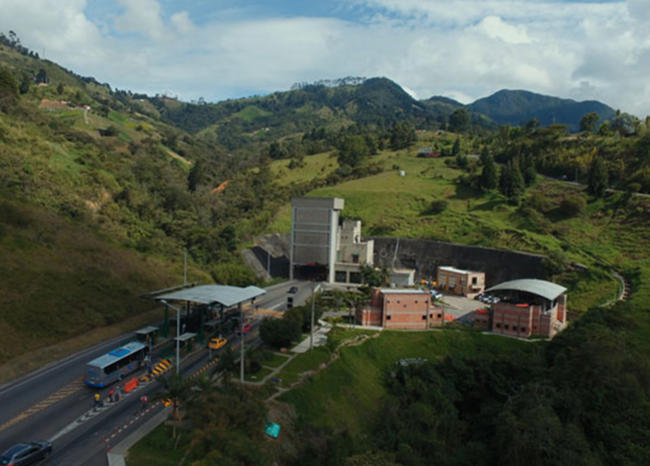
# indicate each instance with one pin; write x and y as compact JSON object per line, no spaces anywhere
{"x":214,"y":294}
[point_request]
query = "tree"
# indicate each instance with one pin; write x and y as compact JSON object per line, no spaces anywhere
{"x":372,"y":276}
{"x":59,"y":89}
{"x":280,"y":333}
{"x":589,"y":121}
{"x":8,"y":89}
{"x":196,"y":175}
{"x":598,"y":177}
{"x":455,"y":150}
{"x":489,"y":178}
{"x":511,"y":183}
{"x":402,"y":135}
{"x":353,"y":150}
{"x":459,"y":121}
{"x":625,"y":124}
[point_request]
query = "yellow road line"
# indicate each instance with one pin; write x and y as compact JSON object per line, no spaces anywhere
{"x":63,"y":392}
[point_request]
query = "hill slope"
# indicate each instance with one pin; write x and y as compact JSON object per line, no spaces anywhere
{"x":518,"y":107}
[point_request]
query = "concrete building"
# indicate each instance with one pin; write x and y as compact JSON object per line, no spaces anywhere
{"x":351,"y":253}
{"x":400,"y":308}
{"x":401,"y":278}
{"x":529,"y":307}
{"x":314,"y":233}
{"x":319,"y":239}
{"x":461,"y":282}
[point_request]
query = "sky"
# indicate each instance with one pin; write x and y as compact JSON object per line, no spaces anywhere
{"x":463,"y":49}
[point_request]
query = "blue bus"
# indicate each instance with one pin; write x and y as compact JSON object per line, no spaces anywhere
{"x":115,"y":364}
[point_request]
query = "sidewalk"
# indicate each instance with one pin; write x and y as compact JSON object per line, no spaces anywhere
{"x":320,"y":338}
{"x":116,"y":455}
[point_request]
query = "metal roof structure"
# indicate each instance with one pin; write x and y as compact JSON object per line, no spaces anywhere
{"x":184,"y":337}
{"x":211,"y":294}
{"x":146,"y":330}
{"x":547,"y":290}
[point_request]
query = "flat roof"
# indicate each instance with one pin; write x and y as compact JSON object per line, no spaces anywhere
{"x":449,"y":268}
{"x":146,"y":330}
{"x":210,"y":294}
{"x":402,"y":291}
{"x":543,"y":288}
{"x":185,"y":336}
{"x":335,"y":203}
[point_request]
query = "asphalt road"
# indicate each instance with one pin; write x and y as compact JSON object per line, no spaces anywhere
{"x":47,"y":403}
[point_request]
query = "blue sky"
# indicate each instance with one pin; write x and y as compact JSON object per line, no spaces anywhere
{"x":464,"y":49}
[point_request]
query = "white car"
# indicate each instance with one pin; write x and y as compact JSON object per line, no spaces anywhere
{"x":435,"y":294}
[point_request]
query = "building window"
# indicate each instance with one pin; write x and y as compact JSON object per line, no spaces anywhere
{"x":430,"y":316}
{"x":340,"y":277}
{"x":439,"y":316}
{"x":424,"y":317}
{"x":387,"y":317}
{"x":523,"y":329}
{"x":416,"y":301}
{"x":355,"y":258}
{"x":474,"y":280}
{"x":498,"y":325}
{"x":506,"y":326}
{"x":355,"y":277}
{"x":398,"y":301}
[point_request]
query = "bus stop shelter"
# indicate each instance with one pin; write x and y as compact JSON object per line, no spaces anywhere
{"x":223,"y":296}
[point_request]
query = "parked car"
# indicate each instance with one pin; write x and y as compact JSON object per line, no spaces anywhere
{"x":245,"y":329}
{"x":293,"y":290}
{"x":479,"y":296}
{"x":26,"y":453}
{"x":485,"y":298}
{"x":435,"y":294}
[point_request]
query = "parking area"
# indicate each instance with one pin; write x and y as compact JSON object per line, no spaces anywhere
{"x":460,"y":307}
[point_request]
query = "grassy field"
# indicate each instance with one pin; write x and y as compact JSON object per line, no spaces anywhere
{"x":158,"y":448}
{"x":301,"y":363}
{"x":351,"y":390}
{"x":59,"y":280}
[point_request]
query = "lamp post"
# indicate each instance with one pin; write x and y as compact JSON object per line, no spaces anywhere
{"x":178,"y":334}
{"x":315,"y":288}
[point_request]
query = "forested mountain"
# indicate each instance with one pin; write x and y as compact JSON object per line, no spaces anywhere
{"x":516,"y":108}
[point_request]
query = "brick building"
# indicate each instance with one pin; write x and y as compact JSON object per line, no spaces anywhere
{"x":529,"y":307}
{"x":461,"y":282}
{"x":400,"y":308}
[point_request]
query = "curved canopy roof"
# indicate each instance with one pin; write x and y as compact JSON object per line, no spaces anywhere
{"x":541,"y":288}
{"x":210,"y":294}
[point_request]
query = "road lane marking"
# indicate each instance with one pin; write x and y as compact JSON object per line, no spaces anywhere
{"x":55,"y":397}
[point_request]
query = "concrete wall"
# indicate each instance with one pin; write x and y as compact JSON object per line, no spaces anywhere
{"x":426,"y":255}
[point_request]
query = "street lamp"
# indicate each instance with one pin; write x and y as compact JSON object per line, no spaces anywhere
{"x":315,"y":288}
{"x":178,"y":334}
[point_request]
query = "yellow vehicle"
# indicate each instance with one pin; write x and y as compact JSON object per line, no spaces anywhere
{"x":216,"y":343}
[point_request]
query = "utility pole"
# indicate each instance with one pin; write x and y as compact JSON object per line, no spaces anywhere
{"x":178,"y":334}
{"x":185,"y":267}
{"x":241,"y":343}
{"x":314,"y":289}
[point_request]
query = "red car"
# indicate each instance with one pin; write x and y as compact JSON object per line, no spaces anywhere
{"x":246,"y":329}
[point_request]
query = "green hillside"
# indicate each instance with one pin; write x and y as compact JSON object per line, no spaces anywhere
{"x":99,"y":200}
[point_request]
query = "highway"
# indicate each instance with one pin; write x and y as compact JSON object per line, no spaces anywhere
{"x":49,"y":403}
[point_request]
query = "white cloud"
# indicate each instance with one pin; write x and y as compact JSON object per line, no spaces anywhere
{"x":465,"y":49}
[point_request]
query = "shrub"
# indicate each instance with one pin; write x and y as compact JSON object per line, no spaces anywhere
{"x":279,"y":332}
{"x":573,"y":205}
{"x":438,"y":206}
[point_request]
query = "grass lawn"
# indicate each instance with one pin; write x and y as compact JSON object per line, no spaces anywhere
{"x":158,"y":448}
{"x":351,"y":390}
{"x":259,"y":375}
{"x":273,"y":359}
{"x":309,"y":360}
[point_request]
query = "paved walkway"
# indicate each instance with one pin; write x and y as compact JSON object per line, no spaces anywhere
{"x":116,"y":455}
{"x":320,"y":338}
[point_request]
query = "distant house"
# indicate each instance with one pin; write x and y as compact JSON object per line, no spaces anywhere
{"x":427,"y":152}
{"x":462,"y":282}
{"x":528,"y":307}
{"x":401,"y":309}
